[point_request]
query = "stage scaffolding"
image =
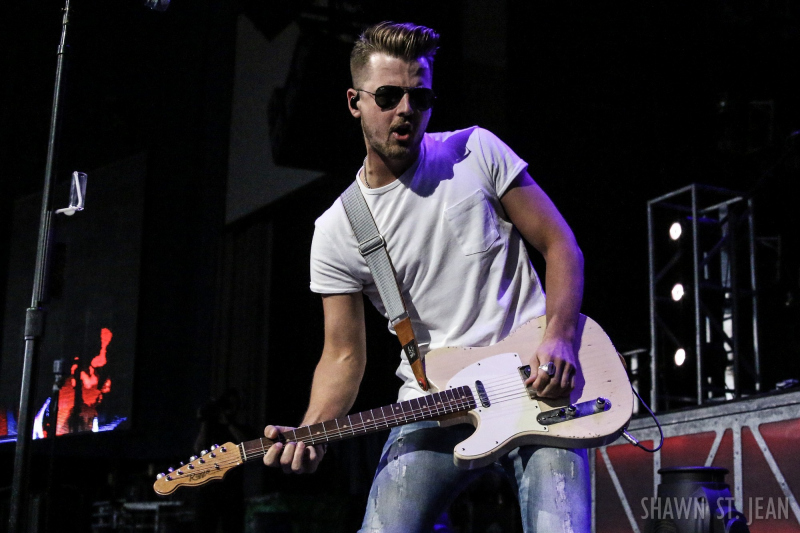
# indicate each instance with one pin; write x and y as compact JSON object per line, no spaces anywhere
{"x":703,"y":298}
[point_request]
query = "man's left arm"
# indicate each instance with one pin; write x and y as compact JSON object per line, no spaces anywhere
{"x":539,"y":222}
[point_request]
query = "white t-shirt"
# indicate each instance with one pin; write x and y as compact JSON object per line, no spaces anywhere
{"x":462,"y":267}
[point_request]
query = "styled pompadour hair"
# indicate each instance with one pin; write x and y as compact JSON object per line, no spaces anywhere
{"x":402,"y":40}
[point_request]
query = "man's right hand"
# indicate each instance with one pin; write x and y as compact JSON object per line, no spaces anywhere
{"x":291,"y":457}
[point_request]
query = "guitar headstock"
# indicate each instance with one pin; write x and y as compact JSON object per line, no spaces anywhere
{"x":211,"y":465}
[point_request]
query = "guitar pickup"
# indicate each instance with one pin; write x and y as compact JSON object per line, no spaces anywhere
{"x":482,"y":394}
{"x":573,"y":411}
{"x":525,"y":373}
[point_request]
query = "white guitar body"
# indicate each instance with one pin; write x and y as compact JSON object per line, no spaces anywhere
{"x":510,"y":419}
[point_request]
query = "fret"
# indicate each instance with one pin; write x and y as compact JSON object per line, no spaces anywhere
{"x":422,"y":404}
{"x":450,"y":400}
{"x":350,"y":422}
{"x":416,"y":410}
{"x":444,"y":400}
{"x":331,"y":429}
{"x":293,"y":438}
{"x":430,"y":405}
{"x":403,"y":406}
{"x":338,"y":428}
{"x":263,"y":450}
{"x":462,"y":398}
{"x":363,"y":424}
{"x":379,"y":418}
{"x":397,"y":410}
{"x":373,"y":423}
{"x":300,"y":435}
{"x":317,"y":433}
{"x":385,"y":418}
{"x":458,"y":394}
{"x":243,"y":451}
{"x":436,"y":398}
{"x":470,"y":398}
{"x":437,"y":402}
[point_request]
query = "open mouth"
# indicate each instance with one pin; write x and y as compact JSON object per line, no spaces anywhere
{"x":402,"y":132}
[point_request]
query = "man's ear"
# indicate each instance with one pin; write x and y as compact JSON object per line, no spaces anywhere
{"x":352,"y":103}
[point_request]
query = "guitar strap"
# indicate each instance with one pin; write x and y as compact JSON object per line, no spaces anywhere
{"x":372,"y":246}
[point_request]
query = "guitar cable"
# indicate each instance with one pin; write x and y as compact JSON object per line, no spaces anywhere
{"x":633,"y":440}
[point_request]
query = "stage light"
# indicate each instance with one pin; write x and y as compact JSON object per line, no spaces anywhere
{"x":675,"y":231}
{"x":677,"y":292}
{"x":680,"y":356}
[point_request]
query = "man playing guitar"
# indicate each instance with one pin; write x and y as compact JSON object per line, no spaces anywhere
{"x":454,"y":208}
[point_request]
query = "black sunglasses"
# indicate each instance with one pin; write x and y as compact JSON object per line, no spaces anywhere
{"x":388,"y":96}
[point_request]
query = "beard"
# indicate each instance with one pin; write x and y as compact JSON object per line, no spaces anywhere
{"x":391,"y":148}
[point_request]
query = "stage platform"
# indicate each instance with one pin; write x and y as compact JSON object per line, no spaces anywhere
{"x":756,"y":439}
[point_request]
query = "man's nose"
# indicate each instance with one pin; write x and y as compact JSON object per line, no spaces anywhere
{"x":404,"y":107}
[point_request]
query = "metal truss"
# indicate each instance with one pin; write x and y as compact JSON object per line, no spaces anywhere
{"x":703,"y":300}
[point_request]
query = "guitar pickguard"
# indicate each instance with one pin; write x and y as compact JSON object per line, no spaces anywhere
{"x":508,"y":410}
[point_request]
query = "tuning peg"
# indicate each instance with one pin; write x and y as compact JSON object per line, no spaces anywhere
{"x":159,"y":476}
{"x":193,"y":458}
{"x":204,"y":452}
{"x":214,"y":447}
{"x":213,"y":455}
{"x":191,"y":467}
{"x":170,"y":470}
{"x":181,"y":463}
{"x":223,"y":449}
{"x":169,"y":478}
{"x":180,"y":472}
{"x":202,"y":461}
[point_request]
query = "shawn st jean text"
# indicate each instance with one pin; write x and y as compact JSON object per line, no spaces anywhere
{"x":675,"y":508}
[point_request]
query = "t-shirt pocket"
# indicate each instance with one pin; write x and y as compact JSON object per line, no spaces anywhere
{"x":472,"y":220}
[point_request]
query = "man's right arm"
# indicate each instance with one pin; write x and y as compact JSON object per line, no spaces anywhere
{"x":336,"y":380}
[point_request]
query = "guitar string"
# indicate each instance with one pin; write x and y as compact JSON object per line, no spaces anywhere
{"x":498,"y":396}
{"x":354,"y":429}
{"x":364,"y":426}
{"x":372,"y":423}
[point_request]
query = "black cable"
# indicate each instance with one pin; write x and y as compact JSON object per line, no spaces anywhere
{"x":633,"y":439}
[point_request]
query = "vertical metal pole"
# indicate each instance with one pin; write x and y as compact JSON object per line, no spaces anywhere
{"x":753,"y":288}
{"x":698,"y":321}
{"x":34,"y":317}
{"x":653,"y":344}
{"x":733,"y":294}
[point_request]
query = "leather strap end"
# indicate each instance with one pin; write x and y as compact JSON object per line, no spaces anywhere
{"x":419,"y":372}
{"x":406,"y":336}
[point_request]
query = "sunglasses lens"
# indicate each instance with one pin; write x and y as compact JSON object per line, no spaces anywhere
{"x":421,"y":98}
{"x":388,"y":96}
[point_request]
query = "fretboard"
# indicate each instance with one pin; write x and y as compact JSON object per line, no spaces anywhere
{"x":397,"y":414}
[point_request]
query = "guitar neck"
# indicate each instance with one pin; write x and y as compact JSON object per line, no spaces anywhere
{"x":397,"y":414}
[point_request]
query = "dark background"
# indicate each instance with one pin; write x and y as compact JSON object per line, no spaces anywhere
{"x":611,"y":105}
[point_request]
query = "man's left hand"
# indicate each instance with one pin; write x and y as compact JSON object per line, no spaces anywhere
{"x":562,"y":354}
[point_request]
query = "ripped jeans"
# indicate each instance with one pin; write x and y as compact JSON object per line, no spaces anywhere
{"x":416,"y":482}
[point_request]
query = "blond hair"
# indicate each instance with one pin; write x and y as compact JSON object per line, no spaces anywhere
{"x":402,"y":40}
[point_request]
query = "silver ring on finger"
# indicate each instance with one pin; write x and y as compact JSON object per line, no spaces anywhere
{"x":549,"y":368}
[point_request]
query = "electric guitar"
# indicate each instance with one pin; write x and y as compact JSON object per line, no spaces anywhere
{"x":482,"y":386}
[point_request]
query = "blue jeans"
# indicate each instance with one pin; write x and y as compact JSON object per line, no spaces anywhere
{"x":416,"y":481}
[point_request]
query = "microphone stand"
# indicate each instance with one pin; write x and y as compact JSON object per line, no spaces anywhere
{"x":35,"y":314}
